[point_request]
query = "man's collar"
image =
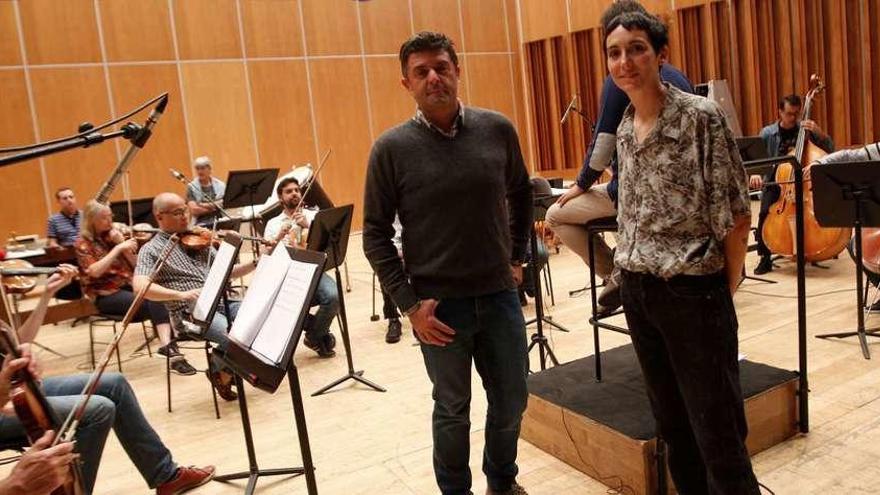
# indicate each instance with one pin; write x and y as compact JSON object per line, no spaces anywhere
{"x":457,"y":122}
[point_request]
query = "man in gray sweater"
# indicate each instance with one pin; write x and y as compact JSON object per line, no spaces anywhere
{"x":456,"y":178}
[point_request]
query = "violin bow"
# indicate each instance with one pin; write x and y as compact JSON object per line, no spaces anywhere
{"x":314,"y":178}
{"x":68,"y":428}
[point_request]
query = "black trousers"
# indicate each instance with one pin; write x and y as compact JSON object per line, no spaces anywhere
{"x":684,"y":331}
{"x":117,"y":304}
{"x":389,"y":310}
{"x":769,"y":195}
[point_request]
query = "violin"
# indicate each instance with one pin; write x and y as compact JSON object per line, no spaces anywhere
{"x":820,"y":243}
{"x":34,"y":412}
{"x":199,"y":238}
{"x":20,"y":277}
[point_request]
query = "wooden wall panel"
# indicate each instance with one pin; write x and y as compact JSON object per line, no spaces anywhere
{"x":484,"y":25}
{"x":132,"y":86}
{"x":543,"y":19}
{"x":24,"y":207}
{"x":331,"y":27}
{"x":10,"y":48}
{"x":136,"y":30}
{"x":438,"y":15}
{"x":60,"y":32}
{"x":490,"y":83}
{"x":586,"y":15}
{"x":342,"y":122}
{"x":386,"y":25}
{"x":218,"y":116}
{"x":282,"y":114}
{"x":207,"y":29}
{"x":64,"y":98}
{"x":272,"y":28}
{"x":390,"y":102}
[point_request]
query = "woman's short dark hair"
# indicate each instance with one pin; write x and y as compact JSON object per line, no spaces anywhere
{"x":657,"y":33}
{"x":618,"y":8}
{"x":284,"y":182}
{"x":426,"y":41}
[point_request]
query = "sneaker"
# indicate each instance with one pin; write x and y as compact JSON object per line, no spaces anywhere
{"x":764,"y":266}
{"x":324,"y":345}
{"x":182,"y":367}
{"x":185,"y":480}
{"x":515,"y":489}
{"x":392,"y":336}
{"x":223,"y":387}
{"x":169,"y":350}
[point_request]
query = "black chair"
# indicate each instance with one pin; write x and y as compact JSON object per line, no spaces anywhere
{"x":206,"y":345}
{"x":594,"y":228}
{"x":109,"y":321}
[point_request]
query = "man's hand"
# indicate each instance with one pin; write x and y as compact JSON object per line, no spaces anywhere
{"x":755,"y":182}
{"x":191,"y":295}
{"x":301,"y":220}
{"x":813,"y":127}
{"x":59,"y":279}
{"x":41,"y":469}
{"x":573,"y":192}
{"x":427,"y":327}
{"x":517,"y":272}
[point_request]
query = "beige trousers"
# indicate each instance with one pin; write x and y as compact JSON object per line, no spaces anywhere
{"x":568,"y":222}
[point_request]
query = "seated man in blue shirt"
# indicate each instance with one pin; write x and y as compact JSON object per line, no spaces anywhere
{"x":63,"y":227}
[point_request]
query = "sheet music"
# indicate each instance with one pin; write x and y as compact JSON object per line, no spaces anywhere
{"x":260,"y":295}
{"x":214,"y":281}
{"x":289,"y":303}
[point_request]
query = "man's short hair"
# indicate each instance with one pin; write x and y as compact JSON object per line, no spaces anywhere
{"x":202,"y":161}
{"x":792,"y":99}
{"x":657,"y":32}
{"x":620,"y":7}
{"x":426,"y":41}
{"x":61,"y":190}
{"x":284,"y":182}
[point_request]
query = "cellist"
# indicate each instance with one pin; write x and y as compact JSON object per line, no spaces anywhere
{"x":780,"y":138}
{"x":114,"y":405}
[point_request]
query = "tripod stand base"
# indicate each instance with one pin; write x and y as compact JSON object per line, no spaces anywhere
{"x":862,"y":335}
{"x":544,"y":350}
{"x":354,"y":375}
{"x":252,"y":476}
{"x":548,"y":321}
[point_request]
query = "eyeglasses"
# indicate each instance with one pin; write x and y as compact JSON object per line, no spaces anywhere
{"x":178,"y":212}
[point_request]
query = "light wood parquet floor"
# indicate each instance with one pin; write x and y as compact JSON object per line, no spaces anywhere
{"x":364,"y":442}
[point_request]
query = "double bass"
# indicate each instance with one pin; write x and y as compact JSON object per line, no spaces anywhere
{"x":820,"y":243}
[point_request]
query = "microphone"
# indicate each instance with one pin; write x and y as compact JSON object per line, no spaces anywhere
{"x":568,"y":110}
{"x":179,"y":176}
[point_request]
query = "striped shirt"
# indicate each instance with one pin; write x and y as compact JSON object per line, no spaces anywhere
{"x":63,"y":228}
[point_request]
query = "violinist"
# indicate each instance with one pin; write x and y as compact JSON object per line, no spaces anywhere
{"x":114,"y":405}
{"x":107,"y":261}
{"x":780,"y":138}
{"x":178,"y":284}
{"x":203,"y":192}
{"x":289,"y":228}
{"x":63,"y":227}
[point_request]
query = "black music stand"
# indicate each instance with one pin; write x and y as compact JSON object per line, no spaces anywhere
{"x":247,"y":188}
{"x":141,"y":211}
{"x":751,"y":149}
{"x":848,"y":195}
{"x":329,"y":233}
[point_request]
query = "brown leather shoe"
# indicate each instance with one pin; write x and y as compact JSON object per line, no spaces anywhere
{"x":185,"y":480}
{"x":223,"y":386}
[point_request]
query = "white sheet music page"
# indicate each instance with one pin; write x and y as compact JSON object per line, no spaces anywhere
{"x":289,"y":303}
{"x":260,"y":295}
{"x":214,"y":281}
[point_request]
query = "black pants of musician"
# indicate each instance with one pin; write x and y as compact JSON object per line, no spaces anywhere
{"x":684,"y":331}
{"x":769,"y":195}
{"x":389,"y":310}
{"x":117,"y":304}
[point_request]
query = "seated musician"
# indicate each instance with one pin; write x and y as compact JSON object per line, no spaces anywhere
{"x":203,"y":191}
{"x":289,"y":228}
{"x":63,"y":227}
{"x":780,"y":138}
{"x":114,"y":405}
{"x":178,"y":283}
{"x":107,"y":260}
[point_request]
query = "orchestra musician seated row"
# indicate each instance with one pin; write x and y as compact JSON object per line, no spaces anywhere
{"x":107,"y":261}
{"x":289,"y":228}
{"x":113,"y":405}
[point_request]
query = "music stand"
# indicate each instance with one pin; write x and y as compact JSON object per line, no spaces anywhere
{"x":752,"y":149}
{"x":329,"y":233}
{"x":247,"y":188}
{"x":141,"y":211}
{"x":848,"y":195}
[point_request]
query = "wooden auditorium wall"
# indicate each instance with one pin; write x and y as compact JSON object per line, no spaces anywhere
{"x":765,"y":49}
{"x":253,"y":84}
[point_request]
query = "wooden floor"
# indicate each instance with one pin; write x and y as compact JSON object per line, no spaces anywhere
{"x":365,"y":442}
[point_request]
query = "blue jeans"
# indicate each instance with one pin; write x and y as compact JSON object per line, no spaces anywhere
{"x":327,"y":299}
{"x":490,"y":332}
{"x":113,"y":405}
{"x":218,"y":332}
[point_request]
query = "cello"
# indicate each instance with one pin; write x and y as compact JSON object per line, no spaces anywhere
{"x":779,"y":227}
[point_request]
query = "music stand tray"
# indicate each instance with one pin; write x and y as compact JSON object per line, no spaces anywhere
{"x":249,"y":187}
{"x":327,"y":224}
{"x":141,"y":211}
{"x":848,"y":195}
